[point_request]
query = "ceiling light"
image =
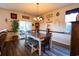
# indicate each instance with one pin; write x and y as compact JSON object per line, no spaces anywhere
{"x":38,"y":18}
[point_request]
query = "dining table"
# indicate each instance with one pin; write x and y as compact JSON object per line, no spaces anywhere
{"x":40,"y":38}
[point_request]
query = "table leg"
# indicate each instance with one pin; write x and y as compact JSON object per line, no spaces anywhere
{"x":51,"y":43}
{"x":39,"y":48}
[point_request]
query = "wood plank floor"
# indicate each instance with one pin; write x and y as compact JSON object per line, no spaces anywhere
{"x":57,"y":51}
{"x":21,"y":50}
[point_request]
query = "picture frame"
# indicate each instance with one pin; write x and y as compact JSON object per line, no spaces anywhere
{"x":25,"y":17}
{"x":13,"y":15}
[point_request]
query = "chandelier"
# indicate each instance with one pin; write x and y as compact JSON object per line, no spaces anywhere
{"x":38,"y":18}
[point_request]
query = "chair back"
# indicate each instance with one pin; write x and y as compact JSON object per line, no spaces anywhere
{"x":8,"y":49}
{"x":47,"y":38}
{"x":2,"y":38}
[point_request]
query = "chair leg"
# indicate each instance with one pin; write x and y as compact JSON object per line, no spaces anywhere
{"x":48,"y":47}
{"x":43,"y":48}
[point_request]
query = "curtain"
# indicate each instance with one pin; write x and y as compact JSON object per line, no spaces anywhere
{"x":76,"y":10}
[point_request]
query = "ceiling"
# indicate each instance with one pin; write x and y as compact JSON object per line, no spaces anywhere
{"x":31,"y":8}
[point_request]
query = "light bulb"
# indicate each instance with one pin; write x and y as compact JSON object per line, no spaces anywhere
{"x":35,"y":18}
{"x":38,"y":18}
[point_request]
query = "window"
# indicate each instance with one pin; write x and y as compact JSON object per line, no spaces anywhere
{"x":68,"y":19}
{"x":70,"y":16}
{"x":25,"y":25}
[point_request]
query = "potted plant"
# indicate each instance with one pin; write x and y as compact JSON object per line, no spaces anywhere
{"x":15,"y":26}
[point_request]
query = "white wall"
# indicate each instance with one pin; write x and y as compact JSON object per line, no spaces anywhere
{"x":58,"y":23}
{"x":60,"y":37}
{"x":4,"y":13}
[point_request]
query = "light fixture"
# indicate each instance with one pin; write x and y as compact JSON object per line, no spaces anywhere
{"x":38,"y":18}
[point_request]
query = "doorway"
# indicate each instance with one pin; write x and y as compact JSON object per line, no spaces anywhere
{"x":24,"y":28}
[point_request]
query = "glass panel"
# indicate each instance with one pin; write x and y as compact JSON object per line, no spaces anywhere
{"x":69,"y":18}
{"x":24,"y":28}
{"x":68,"y":27}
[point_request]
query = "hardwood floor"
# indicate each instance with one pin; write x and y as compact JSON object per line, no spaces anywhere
{"x":57,"y":51}
{"x":21,"y":50}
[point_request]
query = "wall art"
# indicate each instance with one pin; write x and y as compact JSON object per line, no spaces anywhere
{"x":25,"y":17}
{"x":13,"y":16}
{"x":57,"y":14}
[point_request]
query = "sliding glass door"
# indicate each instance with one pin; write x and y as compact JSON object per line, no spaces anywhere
{"x":24,"y":28}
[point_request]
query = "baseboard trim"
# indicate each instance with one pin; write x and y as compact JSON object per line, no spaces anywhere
{"x":61,"y":44}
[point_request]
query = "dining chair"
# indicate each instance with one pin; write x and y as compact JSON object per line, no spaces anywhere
{"x":46,"y":42}
{"x":9,"y":48}
{"x":3,"y":36}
